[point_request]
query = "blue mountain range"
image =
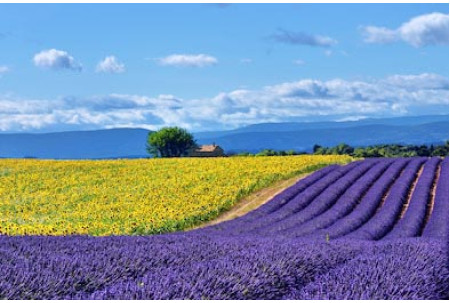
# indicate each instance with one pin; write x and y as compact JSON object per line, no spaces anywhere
{"x":131,"y":142}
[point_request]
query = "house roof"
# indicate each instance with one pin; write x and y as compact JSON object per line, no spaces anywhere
{"x":207,"y":148}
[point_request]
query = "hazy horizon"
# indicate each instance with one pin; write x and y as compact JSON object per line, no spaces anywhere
{"x":216,"y":130}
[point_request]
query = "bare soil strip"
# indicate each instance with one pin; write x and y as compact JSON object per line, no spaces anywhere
{"x":388,"y":191}
{"x":411,"y":191}
{"x":254,"y":201}
{"x":430,"y":205}
{"x":364,"y":194}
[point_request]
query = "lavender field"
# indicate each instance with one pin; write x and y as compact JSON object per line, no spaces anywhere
{"x":373,"y":229}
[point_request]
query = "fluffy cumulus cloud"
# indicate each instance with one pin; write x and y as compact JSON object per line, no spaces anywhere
{"x":188,"y":60}
{"x":110,"y":65}
{"x":301,"y":38}
{"x":341,"y":99}
{"x":429,"y":29}
{"x":56,"y":60}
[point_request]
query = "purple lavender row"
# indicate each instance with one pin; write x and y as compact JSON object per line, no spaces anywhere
{"x":438,"y":223}
{"x":196,"y":267}
{"x":368,"y":205}
{"x":346,"y":203}
{"x":320,"y":204}
{"x":414,"y":218}
{"x":159,"y":267}
{"x":248,"y":274}
{"x":395,"y":270}
{"x":285,"y":196}
{"x":384,"y":220}
{"x":279,"y":200}
{"x":296,"y":204}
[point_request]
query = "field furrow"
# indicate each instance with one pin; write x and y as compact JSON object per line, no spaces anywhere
{"x":365,"y":210}
{"x":320,"y":204}
{"x":279,"y":200}
{"x":297,"y":203}
{"x":384,"y":220}
{"x":437,"y":225}
{"x":345,"y":204}
{"x":411,"y":221}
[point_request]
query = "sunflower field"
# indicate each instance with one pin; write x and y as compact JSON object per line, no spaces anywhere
{"x":133,"y":197}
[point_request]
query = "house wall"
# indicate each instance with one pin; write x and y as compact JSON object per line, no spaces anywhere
{"x":217,"y":153}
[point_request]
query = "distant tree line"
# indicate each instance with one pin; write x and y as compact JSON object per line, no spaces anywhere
{"x":177,"y":142}
{"x":384,"y":150}
{"x":381,"y":150}
{"x":268,"y":152}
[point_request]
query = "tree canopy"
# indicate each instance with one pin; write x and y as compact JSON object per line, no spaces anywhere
{"x":384,"y":150}
{"x":170,"y":142}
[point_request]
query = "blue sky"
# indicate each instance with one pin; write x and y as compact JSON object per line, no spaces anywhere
{"x":209,"y":67}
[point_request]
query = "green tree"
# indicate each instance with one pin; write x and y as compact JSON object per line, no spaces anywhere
{"x":344,"y":149}
{"x":267,"y":152}
{"x":360,"y":152}
{"x":291,"y":152}
{"x":316,"y":148}
{"x":170,"y":142}
{"x":441,"y":150}
{"x":319,"y":150}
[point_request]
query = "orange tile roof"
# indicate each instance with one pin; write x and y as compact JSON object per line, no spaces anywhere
{"x":207,"y":148}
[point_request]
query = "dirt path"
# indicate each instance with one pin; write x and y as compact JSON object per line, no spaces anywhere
{"x":411,"y":191}
{"x":255,"y":200}
{"x":432,"y":195}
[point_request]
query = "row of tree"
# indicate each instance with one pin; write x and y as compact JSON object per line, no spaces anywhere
{"x":269,"y":152}
{"x":384,"y":150}
{"x":177,"y":142}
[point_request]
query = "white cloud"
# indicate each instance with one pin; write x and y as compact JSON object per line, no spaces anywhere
{"x":338,"y":98}
{"x":55,"y":59}
{"x":351,"y":118}
{"x":110,"y":65}
{"x":301,"y":38}
{"x":429,"y":29}
{"x":4,"y":69}
{"x":298,"y":62}
{"x":186,"y":60}
{"x":426,"y":30}
{"x":373,"y":34}
{"x":424,"y":81}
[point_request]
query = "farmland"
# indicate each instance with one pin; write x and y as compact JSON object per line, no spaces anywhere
{"x":131,"y":197}
{"x":371,"y":229}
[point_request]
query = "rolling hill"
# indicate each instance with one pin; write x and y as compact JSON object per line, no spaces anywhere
{"x":303,"y":140}
{"x":114,"y":143}
{"x":131,"y":142}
